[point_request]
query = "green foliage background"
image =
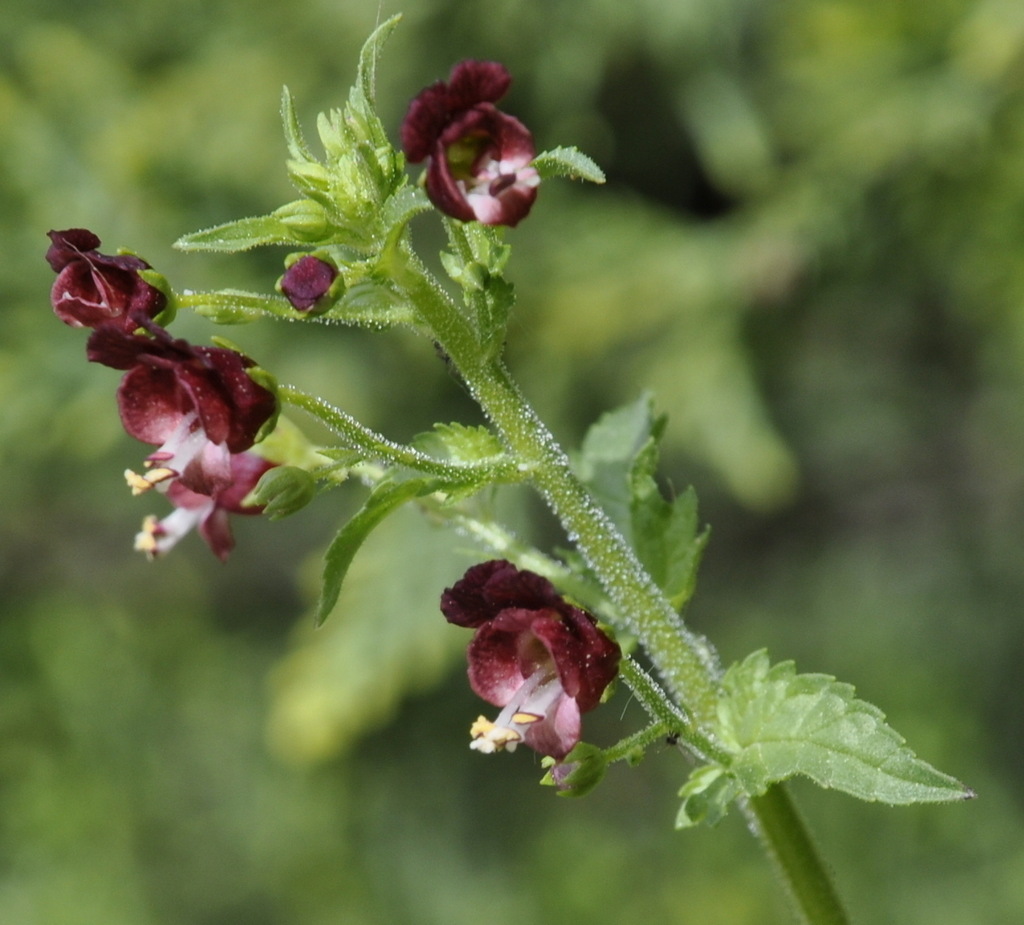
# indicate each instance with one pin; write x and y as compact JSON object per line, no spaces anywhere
{"x":811,"y":247}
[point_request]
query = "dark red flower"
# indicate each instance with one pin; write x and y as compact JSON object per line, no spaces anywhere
{"x":307,"y":281}
{"x":93,"y":289}
{"x":210,"y":513}
{"x":198,"y":404}
{"x":542,"y":660}
{"x":479,"y":157}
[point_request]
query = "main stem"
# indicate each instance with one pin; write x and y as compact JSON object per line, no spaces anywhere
{"x":784,"y":837}
{"x":685,"y":661}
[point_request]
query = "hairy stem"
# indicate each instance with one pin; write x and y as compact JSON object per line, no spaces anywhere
{"x":782,"y":833}
{"x":685,"y":662}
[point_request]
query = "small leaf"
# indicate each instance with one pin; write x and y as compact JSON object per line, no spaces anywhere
{"x":298,"y":150}
{"x":664,"y":533}
{"x":459,"y":443}
{"x":568,"y":162}
{"x":707,"y":796}
{"x":367,"y":72}
{"x":241,"y":235}
{"x":780,"y":723}
{"x":385,"y":498}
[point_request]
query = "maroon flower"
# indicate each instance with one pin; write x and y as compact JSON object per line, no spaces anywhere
{"x":210,"y":513}
{"x":542,"y":660}
{"x":92,"y":288}
{"x":198,"y":404}
{"x":479,"y":158}
{"x":307,"y":281}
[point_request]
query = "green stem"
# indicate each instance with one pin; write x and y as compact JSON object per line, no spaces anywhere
{"x":376,"y":446}
{"x":785,"y":838}
{"x":686,"y":662}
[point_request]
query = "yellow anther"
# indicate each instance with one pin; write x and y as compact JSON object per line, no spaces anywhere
{"x":140,"y":484}
{"x":145,"y":539}
{"x":524,"y":719}
{"x":488,"y":737}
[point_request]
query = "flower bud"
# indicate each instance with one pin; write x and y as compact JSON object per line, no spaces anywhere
{"x":308,"y":284}
{"x":284,"y":490}
{"x":579,"y":773}
{"x":306,"y":219}
{"x":93,"y":288}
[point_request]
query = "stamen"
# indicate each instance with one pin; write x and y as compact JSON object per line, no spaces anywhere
{"x":140,"y":484}
{"x":489,"y":737}
{"x":146,"y":540}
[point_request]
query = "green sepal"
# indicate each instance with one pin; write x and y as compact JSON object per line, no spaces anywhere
{"x":158,"y":281}
{"x":386,"y":497}
{"x":283,"y":490}
{"x":568,"y":162}
{"x":778,"y":723}
{"x":591,"y":764}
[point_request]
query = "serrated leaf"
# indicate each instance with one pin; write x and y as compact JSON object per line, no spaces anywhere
{"x":568,"y":162}
{"x":780,"y":723}
{"x":385,"y":498}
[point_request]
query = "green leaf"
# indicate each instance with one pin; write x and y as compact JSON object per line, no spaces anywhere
{"x":618,"y":462}
{"x":779,"y":723}
{"x":298,"y":150}
{"x":385,"y":498}
{"x":568,"y":162}
{"x":664,"y":533}
{"x":606,"y":459}
{"x":460,"y":443}
{"x":707,"y":796}
{"x":367,"y":72}
{"x":240,"y":235}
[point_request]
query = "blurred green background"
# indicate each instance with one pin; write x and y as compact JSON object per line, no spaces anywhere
{"x":811,"y":246}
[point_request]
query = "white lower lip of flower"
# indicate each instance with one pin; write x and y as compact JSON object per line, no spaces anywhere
{"x":184,"y":445}
{"x":486,"y":206}
{"x":529,"y":705}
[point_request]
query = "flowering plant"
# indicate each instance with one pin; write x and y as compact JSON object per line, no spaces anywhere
{"x":544,"y":647}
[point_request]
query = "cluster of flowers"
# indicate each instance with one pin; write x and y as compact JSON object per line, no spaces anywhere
{"x":543,"y":661}
{"x":197,"y":405}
